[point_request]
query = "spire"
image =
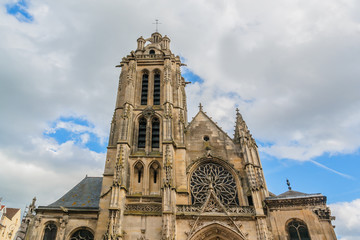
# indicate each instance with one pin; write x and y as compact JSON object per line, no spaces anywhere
{"x":242,"y":133}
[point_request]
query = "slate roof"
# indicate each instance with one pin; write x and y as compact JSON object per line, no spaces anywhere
{"x":293,"y":194}
{"x":85,"y":195}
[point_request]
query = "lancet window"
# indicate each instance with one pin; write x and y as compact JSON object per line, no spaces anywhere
{"x":142,"y":133}
{"x":144,"y":89}
{"x":155,"y":136}
{"x":50,"y":231}
{"x":213,"y":177}
{"x":298,"y":230}
{"x":156,"y":89}
{"x":154,"y":183}
{"x":138,"y":177}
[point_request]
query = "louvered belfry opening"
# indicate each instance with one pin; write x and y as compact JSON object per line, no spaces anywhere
{"x":155,"y":138}
{"x":157,"y":89}
{"x":142,"y":133}
{"x":144,"y":89}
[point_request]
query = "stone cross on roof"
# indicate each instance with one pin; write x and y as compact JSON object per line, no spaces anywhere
{"x":157,"y":24}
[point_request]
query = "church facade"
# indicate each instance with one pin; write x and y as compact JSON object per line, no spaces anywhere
{"x":167,"y":178}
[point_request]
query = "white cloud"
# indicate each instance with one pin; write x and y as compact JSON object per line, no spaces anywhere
{"x":347,"y":219}
{"x":290,"y":66}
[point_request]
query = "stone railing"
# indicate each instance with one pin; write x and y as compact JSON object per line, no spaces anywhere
{"x":190,"y":209}
{"x":149,"y":56}
{"x":143,"y":209}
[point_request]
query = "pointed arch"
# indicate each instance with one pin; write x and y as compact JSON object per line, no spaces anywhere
{"x":155,"y":133}
{"x":211,"y":175}
{"x":157,"y":87}
{"x":82,"y":233}
{"x":216,"y":231}
{"x":50,"y":231}
{"x":297,"y":230}
{"x":233,"y":182}
{"x":138,"y":177}
{"x":144,"y":88}
{"x":142,"y":132}
{"x":154,"y":178}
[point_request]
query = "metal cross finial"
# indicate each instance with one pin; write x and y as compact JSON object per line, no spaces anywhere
{"x":200,"y":107}
{"x":288,"y":183}
{"x":157,"y":24}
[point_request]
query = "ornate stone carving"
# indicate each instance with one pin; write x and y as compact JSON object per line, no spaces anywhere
{"x":291,"y":202}
{"x":215,"y":175}
{"x":149,"y":208}
{"x":148,"y":112}
{"x":126,"y":112}
{"x":131,"y":72}
{"x":168,"y":167}
{"x":324,"y":213}
{"x":167,"y":73}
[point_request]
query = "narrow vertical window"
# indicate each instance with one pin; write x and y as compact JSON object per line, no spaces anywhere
{"x":139,"y":175}
{"x":144,"y":89}
{"x":142,"y":133}
{"x":250,"y":200}
{"x":154,"y":174}
{"x":157,"y":89}
{"x":138,"y":178}
{"x":50,"y":232}
{"x":155,"y":137}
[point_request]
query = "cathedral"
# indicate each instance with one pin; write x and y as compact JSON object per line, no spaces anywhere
{"x":167,"y":178}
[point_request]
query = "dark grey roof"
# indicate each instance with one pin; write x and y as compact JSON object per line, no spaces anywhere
{"x":84,"y":195}
{"x":294,"y":194}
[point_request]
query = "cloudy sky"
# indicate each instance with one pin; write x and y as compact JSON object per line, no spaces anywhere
{"x":290,"y":66}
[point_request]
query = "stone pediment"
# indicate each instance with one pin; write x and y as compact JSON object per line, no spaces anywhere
{"x":204,"y":119}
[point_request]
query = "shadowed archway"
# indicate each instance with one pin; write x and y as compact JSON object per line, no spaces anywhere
{"x":216,"y":231}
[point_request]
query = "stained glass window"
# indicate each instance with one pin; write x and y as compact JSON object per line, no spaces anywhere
{"x":219,"y":178}
{"x":82,"y":234}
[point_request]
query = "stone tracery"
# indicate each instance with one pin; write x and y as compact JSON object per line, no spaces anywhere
{"x":212,"y":175}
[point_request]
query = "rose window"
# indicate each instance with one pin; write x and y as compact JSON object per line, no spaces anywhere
{"x":215,"y":176}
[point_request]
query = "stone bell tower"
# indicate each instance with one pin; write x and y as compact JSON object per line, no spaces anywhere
{"x":148,"y":123}
{"x":168,"y":179}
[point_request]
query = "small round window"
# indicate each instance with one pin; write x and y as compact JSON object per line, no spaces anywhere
{"x":206,"y":138}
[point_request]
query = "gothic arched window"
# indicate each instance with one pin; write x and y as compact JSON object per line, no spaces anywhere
{"x":298,"y":230}
{"x":154,"y":184}
{"x":213,"y":176}
{"x":144,"y":89}
{"x":50,"y":231}
{"x":139,"y":171}
{"x":142,"y":133}
{"x":138,"y":178}
{"x":155,"y":136}
{"x":82,"y":234}
{"x":157,"y":89}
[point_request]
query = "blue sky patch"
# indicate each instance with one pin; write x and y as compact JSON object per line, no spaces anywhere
{"x":78,"y":130}
{"x":309,"y":177}
{"x":191,"y":77}
{"x":19,"y":10}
